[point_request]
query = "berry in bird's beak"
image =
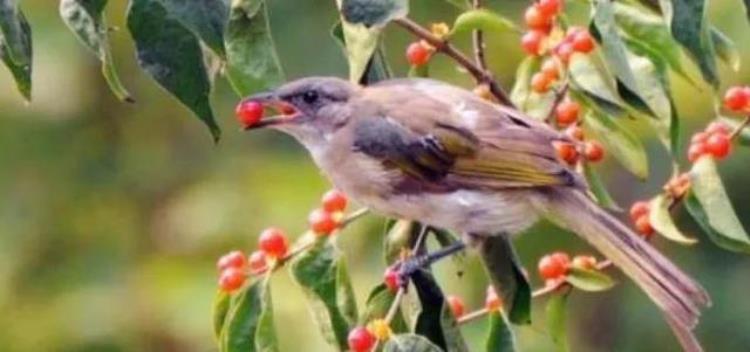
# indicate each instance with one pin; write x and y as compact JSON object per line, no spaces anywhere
{"x":250,"y":111}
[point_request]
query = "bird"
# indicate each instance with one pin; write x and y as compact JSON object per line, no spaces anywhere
{"x":429,"y":151}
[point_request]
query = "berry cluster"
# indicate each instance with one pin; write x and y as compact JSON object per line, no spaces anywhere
{"x":713,"y":141}
{"x":555,"y":266}
{"x":592,"y":150}
{"x":534,"y":42}
{"x":273,"y":244}
{"x":639,"y":215}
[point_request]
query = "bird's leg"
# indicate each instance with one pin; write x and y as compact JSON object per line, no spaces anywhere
{"x":409,"y":266}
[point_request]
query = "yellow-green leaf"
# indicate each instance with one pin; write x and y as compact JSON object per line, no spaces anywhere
{"x":556,"y":314}
{"x":499,"y":335}
{"x":619,"y":142}
{"x":589,"y":280}
{"x":484,"y":20}
{"x":661,"y":221}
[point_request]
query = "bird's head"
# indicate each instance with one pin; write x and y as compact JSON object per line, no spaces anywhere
{"x":312,"y":107}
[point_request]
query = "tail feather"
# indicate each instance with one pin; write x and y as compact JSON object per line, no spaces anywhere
{"x":679,"y":296}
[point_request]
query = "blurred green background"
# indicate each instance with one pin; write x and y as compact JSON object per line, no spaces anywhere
{"x":112,"y":215}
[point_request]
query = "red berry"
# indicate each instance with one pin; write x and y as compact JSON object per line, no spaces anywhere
{"x":643,"y":226}
{"x":566,"y":151}
{"x":492,"y":302}
{"x":334,"y":200}
{"x":551,"y":69}
{"x":567,"y":112}
{"x":322,"y":222}
{"x":549,"y":7}
{"x":575,"y":133}
{"x":531,"y":42}
{"x":273,"y":242}
{"x":535,"y":19}
{"x":257,"y":261}
{"x":639,"y":209}
{"x":233,"y":259}
{"x":540,"y":83}
{"x":390,"y":278}
{"x":584,"y":262}
{"x":417,"y":54}
{"x":718,"y":127}
{"x":696,"y":151}
{"x":249,"y":112}
{"x":582,"y":42}
{"x":361,"y":340}
{"x":564,"y":51}
{"x":699,"y":137}
{"x":718,"y":145}
{"x":231,"y":279}
{"x":737,"y":98}
{"x":457,"y":305}
{"x":593,"y":151}
{"x":553,"y":266}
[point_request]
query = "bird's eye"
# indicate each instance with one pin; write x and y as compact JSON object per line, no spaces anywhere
{"x":310,"y":96}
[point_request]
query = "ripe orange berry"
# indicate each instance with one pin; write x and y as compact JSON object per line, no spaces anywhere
{"x":417,"y":54}
{"x":391,"y":280}
{"x":567,"y":112}
{"x":257,"y":262}
{"x":540,"y":83}
{"x":248,"y":112}
{"x":322,"y":222}
{"x":639,"y":209}
{"x":593,"y":150}
{"x":696,"y":151}
{"x":535,"y":19}
{"x":564,"y":51}
{"x":718,"y":145}
{"x":549,"y":7}
{"x":361,"y":340}
{"x":566,"y":151}
{"x":737,"y":98}
{"x":551,"y":69}
{"x":584,"y":262}
{"x":643,"y":226}
{"x":531,"y":42}
{"x":273,"y":242}
{"x":582,"y":42}
{"x":334,"y":200}
{"x":233,"y":259}
{"x":456,"y":304}
{"x":575,"y":133}
{"x":553,"y":266}
{"x":231,"y":279}
{"x":492,"y":301}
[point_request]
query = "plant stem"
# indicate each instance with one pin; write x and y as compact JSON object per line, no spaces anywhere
{"x":480,"y":75}
{"x":478,"y":41}
{"x":738,"y":129}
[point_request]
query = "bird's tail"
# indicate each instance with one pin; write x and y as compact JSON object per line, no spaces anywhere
{"x":679,"y":296}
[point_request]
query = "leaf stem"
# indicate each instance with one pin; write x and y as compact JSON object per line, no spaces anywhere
{"x":480,"y":74}
{"x":737,"y":130}
{"x":478,"y":41}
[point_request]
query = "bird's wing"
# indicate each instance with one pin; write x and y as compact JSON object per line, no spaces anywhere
{"x":448,"y":139}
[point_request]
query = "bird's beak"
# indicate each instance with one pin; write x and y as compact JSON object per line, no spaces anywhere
{"x":287,"y":111}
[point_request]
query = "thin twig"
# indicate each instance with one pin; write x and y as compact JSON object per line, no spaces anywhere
{"x":559,"y":96}
{"x":442,"y":45}
{"x":471,"y":316}
{"x":738,"y":129}
{"x":478,"y":41}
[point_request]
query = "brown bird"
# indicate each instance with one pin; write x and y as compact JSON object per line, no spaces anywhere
{"x":428,"y":151}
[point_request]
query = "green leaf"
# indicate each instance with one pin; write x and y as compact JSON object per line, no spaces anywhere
{"x":599,"y":189}
{"x":590,"y":81}
{"x":589,"y":280}
{"x":249,"y":326}
{"x":484,"y":20}
{"x":252,"y":61}
{"x":615,"y":54}
{"x":172,"y":55}
{"x":661,"y":220}
{"x":726,"y":49}
{"x":421,"y":71}
{"x":21,"y":72}
{"x":378,"y":303}
{"x":649,"y":30}
{"x":499,"y":335}
{"x":15,"y":45}
{"x":221,"y":307}
{"x":507,"y":277}
{"x":556,"y":313}
{"x":620,"y":143}
{"x":373,"y":12}
{"x":435,"y":321}
{"x":205,"y":18}
{"x":409,"y":343}
{"x":318,"y":270}
{"x":688,"y":22}
{"x":85,"y":19}
{"x":709,"y":205}
{"x":376,"y":69}
{"x":533,"y":104}
{"x":399,"y":237}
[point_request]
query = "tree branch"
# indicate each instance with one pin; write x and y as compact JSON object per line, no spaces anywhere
{"x":480,"y":75}
{"x":478,"y":40}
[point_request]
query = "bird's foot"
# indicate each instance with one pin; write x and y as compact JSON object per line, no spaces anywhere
{"x":409,"y":266}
